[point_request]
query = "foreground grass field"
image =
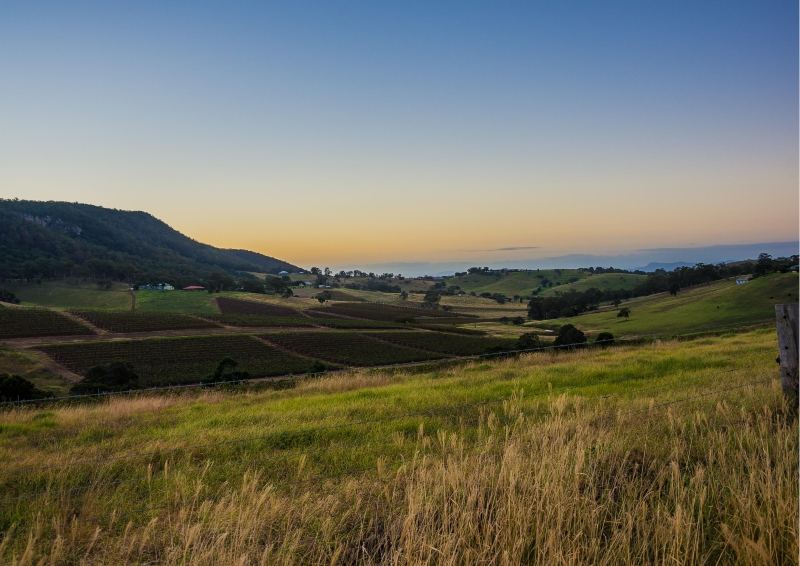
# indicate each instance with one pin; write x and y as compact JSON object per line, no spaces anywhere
{"x":674,"y":452}
{"x":706,"y":308}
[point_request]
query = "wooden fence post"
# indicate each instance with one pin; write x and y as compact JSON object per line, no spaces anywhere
{"x":786,"y":321}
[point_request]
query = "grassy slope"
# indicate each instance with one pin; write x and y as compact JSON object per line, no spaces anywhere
{"x":188,"y":302}
{"x":59,"y":294}
{"x":603,"y":281}
{"x":719,"y":305}
{"x":235,"y":445}
{"x":29,"y":364}
{"x":514,"y":283}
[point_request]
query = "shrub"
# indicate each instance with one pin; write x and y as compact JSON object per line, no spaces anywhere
{"x":8,"y":297}
{"x":17,"y":388}
{"x":528,"y":341}
{"x":226,"y":372}
{"x":604,"y":339}
{"x":570,"y":337}
{"x":116,"y":376}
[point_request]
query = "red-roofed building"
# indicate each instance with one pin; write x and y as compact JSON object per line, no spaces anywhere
{"x":194,"y":288}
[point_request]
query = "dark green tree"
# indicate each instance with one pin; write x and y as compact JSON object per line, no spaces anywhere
{"x":528,"y":341}
{"x":17,"y":388}
{"x":604,"y":339}
{"x":226,"y":372}
{"x":570,"y":337}
{"x":116,"y":376}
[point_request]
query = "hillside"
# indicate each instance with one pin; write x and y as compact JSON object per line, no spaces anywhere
{"x":512,"y":283}
{"x":627,"y":455}
{"x":60,"y":239}
{"x":601,"y":281}
{"x":721,"y":304}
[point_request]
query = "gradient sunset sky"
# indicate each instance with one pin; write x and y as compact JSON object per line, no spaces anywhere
{"x":348,"y":133}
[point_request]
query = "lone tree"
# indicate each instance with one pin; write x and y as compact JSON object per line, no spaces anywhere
{"x":624,"y":312}
{"x":570,"y":337}
{"x":226,"y":372}
{"x":324,"y":296}
{"x":431,"y":299}
{"x":116,"y":376}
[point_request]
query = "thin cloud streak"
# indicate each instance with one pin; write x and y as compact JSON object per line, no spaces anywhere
{"x":506,"y":249}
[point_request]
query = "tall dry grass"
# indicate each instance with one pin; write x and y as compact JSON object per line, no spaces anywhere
{"x":704,"y":484}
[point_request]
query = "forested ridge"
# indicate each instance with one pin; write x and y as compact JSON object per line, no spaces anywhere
{"x":41,"y":240}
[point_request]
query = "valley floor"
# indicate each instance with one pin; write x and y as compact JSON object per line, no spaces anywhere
{"x":675,"y":452}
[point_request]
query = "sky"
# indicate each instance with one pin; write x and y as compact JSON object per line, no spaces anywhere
{"x":358,"y":133}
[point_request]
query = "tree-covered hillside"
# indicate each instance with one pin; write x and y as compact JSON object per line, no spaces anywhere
{"x":60,"y":239}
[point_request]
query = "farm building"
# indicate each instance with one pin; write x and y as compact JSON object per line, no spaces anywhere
{"x":743,"y":280}
{"x":282,"y":273}
{"x":156,"y":287}
{"x":194,"y":288}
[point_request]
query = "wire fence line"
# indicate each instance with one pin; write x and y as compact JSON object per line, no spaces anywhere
{"x":453,"y":359}
{"x":452,"y":411}
{"x":299,"y":483}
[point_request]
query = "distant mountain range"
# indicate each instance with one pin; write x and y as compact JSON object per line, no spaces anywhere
{"x":644,"y":259}
{"x":61,"y":239}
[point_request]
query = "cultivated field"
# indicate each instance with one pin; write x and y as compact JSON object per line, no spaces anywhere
{"x":67,"y":295}
{"x":349,"y":348}
{"x":127,"y":321}
{"x":22,"y":322}
{"x":665,"y":453}
{"x":165,"y":361}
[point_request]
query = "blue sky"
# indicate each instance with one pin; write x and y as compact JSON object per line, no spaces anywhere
{"x":374,"y":131}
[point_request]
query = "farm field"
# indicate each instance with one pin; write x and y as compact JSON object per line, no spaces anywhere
{"x":127,"y":321}
{"x":227,"y":305}
{"x":185,"y":302}
{"x":347,"y":348}
{"x":706,"y":308}
{"x":601,"y":281}
{"x":386,"y":312}
{"x":66,"y":295}
{"x":166,"y":361}
{"x":332,"y":321}
{"x":631,"y":454}
{"x":23,"y":322}
{"x":31,"y":365}
{"x":453,"y":344}
{"x":336,"y":294}
{"x":255,"y":320}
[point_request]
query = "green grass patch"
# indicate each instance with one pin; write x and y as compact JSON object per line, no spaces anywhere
{"x":708,"y":308}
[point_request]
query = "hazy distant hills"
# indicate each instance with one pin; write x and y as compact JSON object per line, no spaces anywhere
{"x":60,"y":239}
{"x":644,"y":259}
